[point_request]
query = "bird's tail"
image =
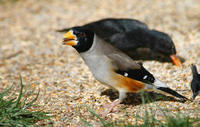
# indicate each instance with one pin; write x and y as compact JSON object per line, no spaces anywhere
{"x":163,"y":87}
{"x":194,"y":70}
{"x":172,"y":92}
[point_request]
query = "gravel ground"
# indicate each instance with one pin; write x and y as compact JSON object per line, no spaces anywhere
{"x":30,"y":46}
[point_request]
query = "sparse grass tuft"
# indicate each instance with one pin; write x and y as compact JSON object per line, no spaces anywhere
{"x":149,"y":119}
{"x":14,"y":112}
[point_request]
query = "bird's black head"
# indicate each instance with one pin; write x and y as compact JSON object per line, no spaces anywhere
{"x":162,"y":43}
{"x":79,"y":38}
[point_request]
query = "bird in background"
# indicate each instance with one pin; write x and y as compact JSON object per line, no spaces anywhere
{"x":195,"y":83}
{"x":129,"y":35}
{"x":112,"y":67}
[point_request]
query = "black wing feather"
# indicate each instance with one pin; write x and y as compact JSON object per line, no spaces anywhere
{"x":138,"y":74}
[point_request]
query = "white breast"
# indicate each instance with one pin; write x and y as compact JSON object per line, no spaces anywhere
{"x":98,"y":63}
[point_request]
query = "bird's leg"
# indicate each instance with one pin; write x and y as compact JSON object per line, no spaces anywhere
{"x":109,"y":107}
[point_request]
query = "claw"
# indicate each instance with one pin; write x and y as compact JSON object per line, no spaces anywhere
{"x":109,"y":107}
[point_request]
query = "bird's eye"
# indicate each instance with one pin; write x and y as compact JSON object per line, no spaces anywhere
{"x":82,"y":35}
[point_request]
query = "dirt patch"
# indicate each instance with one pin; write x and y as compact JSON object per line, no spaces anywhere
{"x":30,"y":46}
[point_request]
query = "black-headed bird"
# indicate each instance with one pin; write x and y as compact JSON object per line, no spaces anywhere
{"x":112,"y":67}
{"x":195,"y":83}
{"x":129,"y":35}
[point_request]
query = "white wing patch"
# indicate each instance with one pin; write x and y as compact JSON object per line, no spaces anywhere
{"x":125,"y":74}
{"x":145,"y":77}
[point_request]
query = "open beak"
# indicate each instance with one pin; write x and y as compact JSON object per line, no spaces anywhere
{"x":69,"y":39}
{"x":175,"y":60}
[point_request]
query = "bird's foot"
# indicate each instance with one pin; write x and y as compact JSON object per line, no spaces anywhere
{"x":110,"y":107}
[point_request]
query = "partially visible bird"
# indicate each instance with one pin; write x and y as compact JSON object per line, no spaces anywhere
{"x":129,"y":35}
{"x":112,"y":67}
{"x":195,"y":83}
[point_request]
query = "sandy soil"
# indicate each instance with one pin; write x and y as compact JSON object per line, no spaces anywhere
{"x":30,"y":46}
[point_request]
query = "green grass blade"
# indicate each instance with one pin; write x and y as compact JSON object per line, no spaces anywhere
{"x":20,"y":93}
{"x":87,"y":124}
{"x":96,"y":115}
{"x":13,"y":111}
{"x":5,"y":92}
{"x":31,"y":103}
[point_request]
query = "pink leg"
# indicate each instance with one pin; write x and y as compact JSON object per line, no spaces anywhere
{"x":109,"y":107}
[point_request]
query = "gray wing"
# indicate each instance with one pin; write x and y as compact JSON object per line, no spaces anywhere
{"x":122,"y":61}
{"x":123,"y":64}
{"x":118,"y":58}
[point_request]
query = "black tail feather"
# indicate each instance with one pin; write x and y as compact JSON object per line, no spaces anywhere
{"x":194,"y":70}
{"x":172,"y":92}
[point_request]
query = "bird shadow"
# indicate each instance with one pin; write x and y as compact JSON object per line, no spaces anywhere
{"x":147,"y":54}
{"x":140,"y":98}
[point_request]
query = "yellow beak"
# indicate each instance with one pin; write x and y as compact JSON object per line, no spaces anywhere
{"x":69,"y":38}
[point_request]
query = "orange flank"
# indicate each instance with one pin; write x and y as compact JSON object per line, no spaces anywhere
{"x":175,"y":60}
{"x":131,"y":84}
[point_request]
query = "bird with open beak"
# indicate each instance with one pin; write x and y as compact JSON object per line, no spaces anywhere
{"x":112,"y":67}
